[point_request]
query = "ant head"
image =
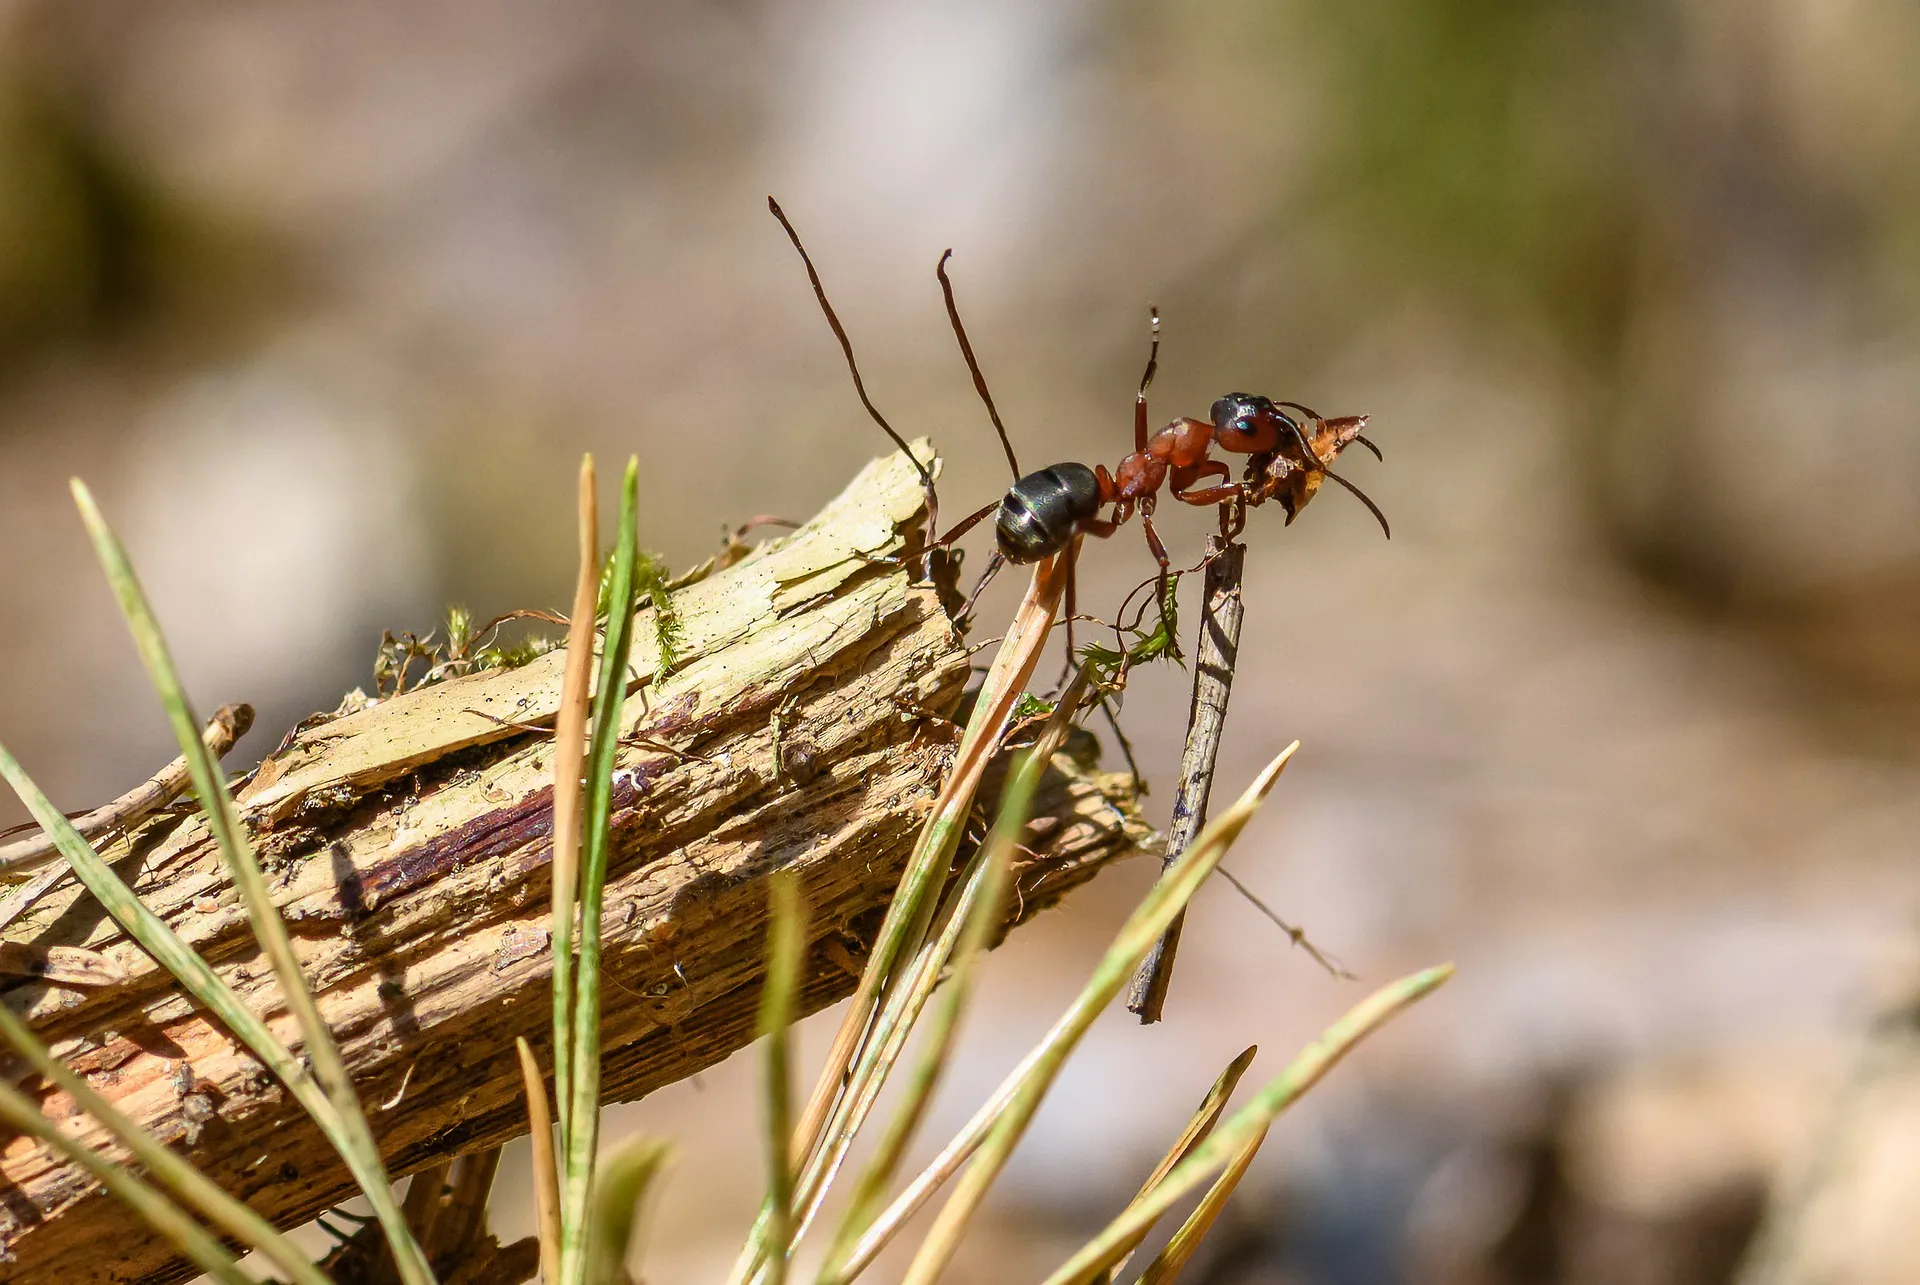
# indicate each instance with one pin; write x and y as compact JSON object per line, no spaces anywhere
{"x":1246,"y":411}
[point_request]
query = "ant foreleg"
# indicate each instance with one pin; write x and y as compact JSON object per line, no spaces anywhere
{"x":1183,"y":478}
{"x":1233,"y":519}
{"x":1212,"y":495}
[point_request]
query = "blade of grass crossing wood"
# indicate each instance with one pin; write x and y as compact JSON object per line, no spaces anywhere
{"x":165,"y":946}
{"x":623,"y":1181}
{"x":609,"y":697}
{"x":546,"y":1177}
{"x":186,"y":1182}
{"x":951,"y":1157}
{"x":569,"y":754}
{"x":1198,"y":1126}
{"x":1226,"y":1141}
{"x":907,"y":994}
{"x":186,"y":966}
{"x":987,"y":889}
{"x":1012,"y":666}
{"x":1168,"y":1264}
{"x":167,"y":1218}
{"x":355,"y":1139}
{"x":903,"y":928}
{"x":786,"y":956}
{"x":1135,"y":939}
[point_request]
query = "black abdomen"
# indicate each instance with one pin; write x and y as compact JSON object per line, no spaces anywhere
{"x":1041,"y":511}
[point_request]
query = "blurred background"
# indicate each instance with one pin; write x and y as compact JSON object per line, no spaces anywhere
{"x":1625,"y":719}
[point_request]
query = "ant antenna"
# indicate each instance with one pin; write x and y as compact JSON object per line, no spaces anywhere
{"x":1300,"y":436}
{"x":1311,"y":413}
{"x":1372,"y":508}
{"x":846,"y":346}
{"x":966,"y":350}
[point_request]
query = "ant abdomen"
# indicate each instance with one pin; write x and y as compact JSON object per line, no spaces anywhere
{"x":1041,"y":512}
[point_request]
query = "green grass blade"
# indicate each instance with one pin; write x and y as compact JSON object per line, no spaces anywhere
{"x":1135,"y":939}
{"x":625,"y":1177}
{"x":608,"y":700}
{"x":1226,"y":1141}
{"x":786,"y":957}
{"x":893,"y":961}
{"x":17,"y":1111}
{"x":186,"y":1182}
{"x":983,"y":905}
{"x":569,"y":754}
{"x":173,"y":954}
{"x":353,"y":1138}
{"x":907,"y":993}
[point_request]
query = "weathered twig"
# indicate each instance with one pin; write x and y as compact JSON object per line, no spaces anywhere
{"x":228,"y":724}
{"x":1217,"y":653}
{"x":408,"y":848}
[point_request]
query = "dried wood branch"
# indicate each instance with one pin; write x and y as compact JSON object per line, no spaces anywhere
{"x":1213,"y":664}
{"x":410,"y":841}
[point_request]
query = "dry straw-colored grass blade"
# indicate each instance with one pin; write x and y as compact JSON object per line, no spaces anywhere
{"x":1235,"y":1134}
{"x":1199,"y":1125}
{"x":1130,"y":946}
{"x":848,"y":1080}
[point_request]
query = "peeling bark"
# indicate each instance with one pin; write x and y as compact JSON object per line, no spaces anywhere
{"x":410,"y":845}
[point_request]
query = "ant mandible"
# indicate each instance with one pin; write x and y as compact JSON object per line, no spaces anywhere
{"x":1044,"y":512}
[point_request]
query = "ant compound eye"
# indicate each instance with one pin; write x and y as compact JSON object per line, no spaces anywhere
{"x":1234,"y":409}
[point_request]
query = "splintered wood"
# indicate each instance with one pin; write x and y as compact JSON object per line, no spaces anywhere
{"x":804,"y":728}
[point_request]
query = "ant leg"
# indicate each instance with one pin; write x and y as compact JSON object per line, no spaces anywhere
{"x":1066,"y":672}
{"x":846,"y":346}
{"x":1146,"y":379}
{"x":973,"y":365}
{"x":1212,"y":495}
{"x":1233,"y":519}
{"x":965,"y":525}
{"x":993,"y":568}
{"x":1160,"y":581}
{"x":1181,"y":486}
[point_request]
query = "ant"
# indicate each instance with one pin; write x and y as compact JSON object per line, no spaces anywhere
{"x":1044,"y":512}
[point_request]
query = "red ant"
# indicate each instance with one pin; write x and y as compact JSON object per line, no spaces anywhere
{"x":1044,"y":512}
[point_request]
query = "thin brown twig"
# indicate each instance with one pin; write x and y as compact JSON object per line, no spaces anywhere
{"x":1219,"y":649}
{"x":228,"y":724}
{"x":1295,"y":933}
{"x":459,"y":1229}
